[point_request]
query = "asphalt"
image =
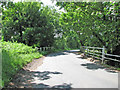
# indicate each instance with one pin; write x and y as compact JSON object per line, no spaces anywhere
{"x":69,"y":70}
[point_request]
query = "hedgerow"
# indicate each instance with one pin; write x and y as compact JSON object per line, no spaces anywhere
{"x":14,"y":57}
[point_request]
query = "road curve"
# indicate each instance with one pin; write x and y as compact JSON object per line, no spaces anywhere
{"x":68,"y":70}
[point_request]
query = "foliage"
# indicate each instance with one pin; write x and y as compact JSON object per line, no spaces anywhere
{"x":14,"y":57}
{"x":32,"y":26}
{"x":92,"y":23}
{"x":0,"y":66}
{"x":82,"y":24}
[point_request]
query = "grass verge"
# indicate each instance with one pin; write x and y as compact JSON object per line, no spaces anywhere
{"x":14,"y":57}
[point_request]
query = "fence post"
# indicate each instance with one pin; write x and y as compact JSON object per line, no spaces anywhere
{"x":93,"y":52}
{"x":84,"y":50}
{"x":40,"y":49}
{"x":103,"y":54}
{"x":80,"y":48}
{"x":87,"y":51}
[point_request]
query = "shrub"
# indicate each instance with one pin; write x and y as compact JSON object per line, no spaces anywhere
{"x":14,"y":57}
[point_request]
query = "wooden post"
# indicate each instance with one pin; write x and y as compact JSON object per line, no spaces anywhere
{"x":84,"y":50}
{"x":103,"y":54}
{"x":87,"y":51}
{"x":80,"y":48}
{"x":93,"y":52}
{"x":40,"y":48}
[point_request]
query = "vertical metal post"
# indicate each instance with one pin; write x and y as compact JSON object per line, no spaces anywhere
{"x":103,"y":54}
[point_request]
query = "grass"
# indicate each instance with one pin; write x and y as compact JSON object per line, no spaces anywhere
{"x":111,"y":67}
{"x":0,"y":67}
{"x":14,"y":57}
{"x":118,"y":69}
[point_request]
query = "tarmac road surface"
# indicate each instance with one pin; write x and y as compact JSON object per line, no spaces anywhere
{"x":69,"y":70}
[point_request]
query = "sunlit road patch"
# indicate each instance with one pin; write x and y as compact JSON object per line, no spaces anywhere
{"x":66,"y":70}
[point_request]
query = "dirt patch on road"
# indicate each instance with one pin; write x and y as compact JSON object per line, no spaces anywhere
{"x":24,"y":77}
{"x":34,"y":64}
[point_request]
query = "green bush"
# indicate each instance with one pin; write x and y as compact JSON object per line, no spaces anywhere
{"x":19,"y":48}
{"x":0,"y":67}
{"x":14,"y":57}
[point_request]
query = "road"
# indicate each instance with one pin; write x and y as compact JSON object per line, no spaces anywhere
{"x":69,"y":70}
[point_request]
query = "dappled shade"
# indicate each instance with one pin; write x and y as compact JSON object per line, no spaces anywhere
{"x":25,"y":78}
{"x":93,"y":66}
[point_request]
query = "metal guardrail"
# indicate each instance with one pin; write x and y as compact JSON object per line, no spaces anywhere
{"x":87,"y":50}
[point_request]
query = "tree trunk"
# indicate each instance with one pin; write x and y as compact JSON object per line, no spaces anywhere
{"x":20,"y":34}
{"x":97,"y":36}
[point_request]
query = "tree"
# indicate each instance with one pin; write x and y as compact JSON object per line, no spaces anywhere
{"x":95,"y":23}
{"x":29,"y":23}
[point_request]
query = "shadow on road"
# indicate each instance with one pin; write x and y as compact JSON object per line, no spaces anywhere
{"x":64,"y":53}
{"x":25,"y":79}
{"x":56,"y":54}
{"x":72,"y":51}
{"x":82,"y":57}
{"x":62,"y":86}
{"x":93,"y":66}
